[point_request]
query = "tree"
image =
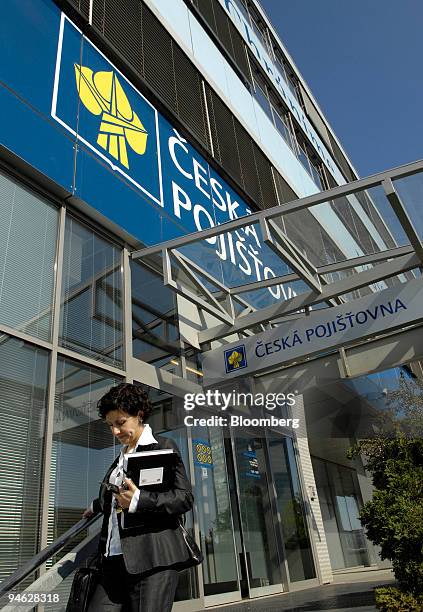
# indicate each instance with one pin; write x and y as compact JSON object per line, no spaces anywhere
{"x":393,"y":518}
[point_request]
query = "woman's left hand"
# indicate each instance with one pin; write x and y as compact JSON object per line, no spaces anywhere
{"x":126,"y":495}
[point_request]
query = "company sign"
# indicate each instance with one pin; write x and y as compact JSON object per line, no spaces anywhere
{"x":320,"y":332}
{"x":236,"y":15}
{"x":124,"y":132}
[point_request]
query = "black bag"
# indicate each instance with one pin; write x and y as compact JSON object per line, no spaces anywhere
{"x":84,"y":584}
{"x":195,"y":554}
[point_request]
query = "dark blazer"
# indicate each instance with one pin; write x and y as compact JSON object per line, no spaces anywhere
{"x":156,"y":539}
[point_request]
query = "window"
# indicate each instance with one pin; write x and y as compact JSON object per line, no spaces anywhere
{"x":91,"y":313}
{"x":302,"y":154}
{"x":155,"y":337}
{"x":241,"y":6}
{"x":281,"y":62}
{"x":28,"y":236}
{"x":310,"y":161}
{"x":260,"y":93}
{"x":82,"y":447}
{"x":315,"y":168}
{"x":258,"y":30}
{"x":281,"y":121}
{"x":287,"y":73}
{"x":24,"y":372}
{"x":292,"y":84}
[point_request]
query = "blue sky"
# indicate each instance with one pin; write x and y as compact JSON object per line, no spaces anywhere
{"x":362,"y":59}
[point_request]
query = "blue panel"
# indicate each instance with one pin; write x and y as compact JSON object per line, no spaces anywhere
{"x":110,"y":194}
{"x":36,"y":139}
{"x":28,"y":44}
{"x":130,"y":163}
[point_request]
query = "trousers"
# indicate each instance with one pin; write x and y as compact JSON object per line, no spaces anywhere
{"x":120,"y":591}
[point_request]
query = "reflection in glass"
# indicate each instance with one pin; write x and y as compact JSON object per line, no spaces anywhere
{"x":262,"y":99}
{"x":83,"y":447}
{"x":188,"y":583}
{"x":281,"y":125}
{"x":91,"y":313}
{"x":316,"y":175}
{"x":155,"y":337}
{"x":311,"y":238}
{"x":340,"y":503}
{"x":291,"y":510}
{"x":256,"y":513}
{"x":23,"y":399}
{"x":28,"y":236}
{"x":375,"y":205}
{"x":410,"y":191}
{"x":214,"y":511}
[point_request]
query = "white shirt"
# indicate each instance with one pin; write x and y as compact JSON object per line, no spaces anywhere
{"x":113,"y":546}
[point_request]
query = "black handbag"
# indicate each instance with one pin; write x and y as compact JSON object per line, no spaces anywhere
{"x":195,"y":554}
{"x":84,"y":584}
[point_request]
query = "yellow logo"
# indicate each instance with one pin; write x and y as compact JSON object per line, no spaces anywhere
{"x":102,"y":94}
{"x":235,"y":359}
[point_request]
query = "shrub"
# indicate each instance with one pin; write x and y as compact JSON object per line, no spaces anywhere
{"x":393,"y":518}
{"x":391,"y":599}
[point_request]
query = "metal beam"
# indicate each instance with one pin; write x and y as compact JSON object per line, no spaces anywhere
{"x":276,"y":211}
{"x":365,"y":260}
{"x":403,"y":216}
{"x":197,"y":282}
{"x":309,"y":298}
{"x":402,"y":259}
{"x":263,"y":284}
{"x":277,"y":240}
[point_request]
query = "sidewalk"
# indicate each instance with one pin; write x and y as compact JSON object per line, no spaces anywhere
{"x":349,"y":592}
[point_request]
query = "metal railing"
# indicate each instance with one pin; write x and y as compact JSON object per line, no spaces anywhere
{"x":41,"y":557}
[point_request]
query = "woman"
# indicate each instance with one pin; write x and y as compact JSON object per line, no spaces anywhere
{"x":139,"y":565}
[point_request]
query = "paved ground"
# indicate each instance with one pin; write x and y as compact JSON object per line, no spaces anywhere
{"x":351,"y":592}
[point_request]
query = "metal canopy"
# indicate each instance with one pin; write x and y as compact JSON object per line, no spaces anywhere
{"x":390,"y":200}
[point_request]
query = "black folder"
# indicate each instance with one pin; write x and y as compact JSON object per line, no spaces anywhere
{"x":152,"y":470}
{"x":155,"y":468}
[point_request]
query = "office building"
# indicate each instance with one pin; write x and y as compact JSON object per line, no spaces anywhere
{"x":125,"y":124}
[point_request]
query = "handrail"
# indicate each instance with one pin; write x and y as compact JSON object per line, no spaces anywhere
{"x":32,"y":564}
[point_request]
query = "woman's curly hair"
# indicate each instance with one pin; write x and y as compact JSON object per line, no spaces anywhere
{"x":127,"y":397}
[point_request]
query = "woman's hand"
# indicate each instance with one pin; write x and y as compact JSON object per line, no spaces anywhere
{"x":126,"y":494}
{"x":88,"y":513}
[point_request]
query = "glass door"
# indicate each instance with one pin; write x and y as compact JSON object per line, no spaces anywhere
{"x":258,"y":515}
{"x":217,"y":537}
{"x":290,"y":505}
{"x":340,"y":504}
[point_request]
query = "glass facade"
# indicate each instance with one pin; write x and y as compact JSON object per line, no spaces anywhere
{"x":290,"y":504}
{"x":24,"y":370}
{"x":214,"y":512}
{"x":155,"y":335}
{"x":91,"y":313}
{"x":82,"y":447}
{"x":28,"y":238}
{"x":68,"y":332}
{"x":340,"y":502}
{"x":251,"y":516}
{"x":262,"y":558}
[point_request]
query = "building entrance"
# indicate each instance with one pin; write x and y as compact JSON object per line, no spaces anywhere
{"x":275,"y":548}
{"x":261,"y":557}
{"x":251,"y":514}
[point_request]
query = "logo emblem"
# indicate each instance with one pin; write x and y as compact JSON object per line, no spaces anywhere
{"x":235,"y":359}
{"x":102,"y":94}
